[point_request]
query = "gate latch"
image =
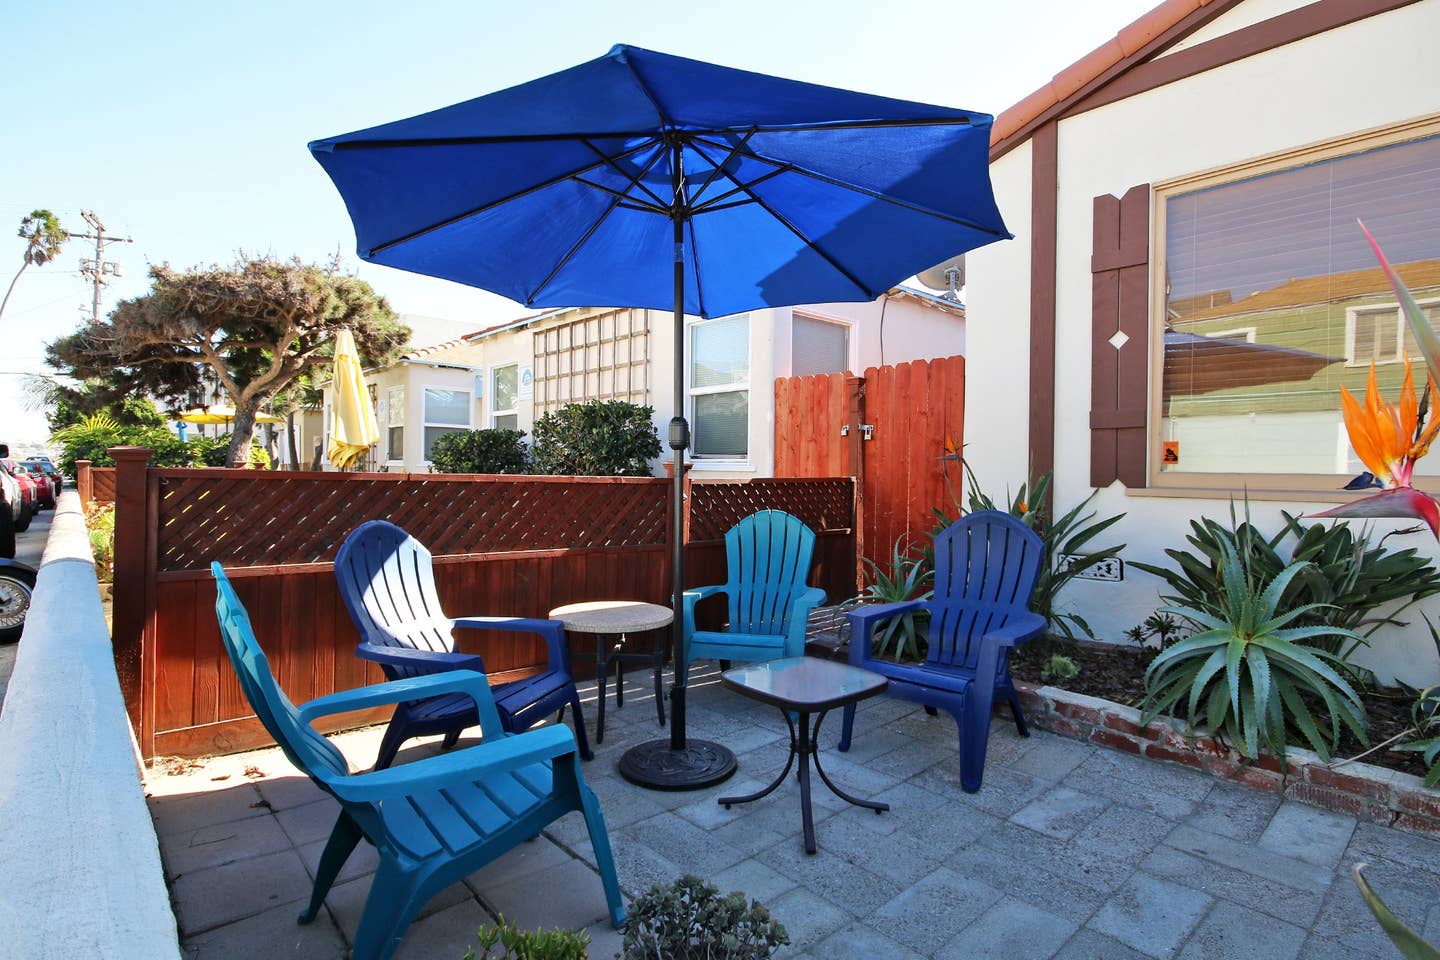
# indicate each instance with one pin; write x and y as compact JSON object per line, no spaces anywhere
{"x":845,"y":430}
{"x":868,"y":429}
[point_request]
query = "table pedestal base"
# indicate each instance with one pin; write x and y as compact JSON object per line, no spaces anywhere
{"x":659,"y":766}
{"x":806,"y":746}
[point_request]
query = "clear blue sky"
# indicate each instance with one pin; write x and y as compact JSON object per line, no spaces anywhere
{"x":184,"y":125}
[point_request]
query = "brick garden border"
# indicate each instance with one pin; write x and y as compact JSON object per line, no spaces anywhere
{"x":1362,"y":790}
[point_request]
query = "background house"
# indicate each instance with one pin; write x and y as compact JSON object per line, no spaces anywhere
{"x":511,"y":374}
{"x":1201,"y":174}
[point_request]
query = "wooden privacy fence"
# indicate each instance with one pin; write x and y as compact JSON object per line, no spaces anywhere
{"x":502,"y":546}
{"x":94,"y":484}
{"x":891,"y":430}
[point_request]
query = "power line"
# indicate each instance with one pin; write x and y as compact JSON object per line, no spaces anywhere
{"x":97,"y":269}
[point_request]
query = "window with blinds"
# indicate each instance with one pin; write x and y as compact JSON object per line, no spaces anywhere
{"x":605,"y":357}
{"x":818,"y":346}
{"x":720,"y":387}
{"x":1275,"y":251}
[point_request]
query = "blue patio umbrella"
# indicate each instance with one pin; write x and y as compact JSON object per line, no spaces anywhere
{"x":641,"y":179}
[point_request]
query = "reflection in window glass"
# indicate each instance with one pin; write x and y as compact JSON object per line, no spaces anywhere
{"x":719,"y":387}
{"x":720,"y":352}
{"x":447,"y":406}
{"x":722,"y":424}
{"x":1281,"y":255}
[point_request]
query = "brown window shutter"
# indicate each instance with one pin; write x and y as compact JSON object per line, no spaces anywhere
{"x":1120,"y":303}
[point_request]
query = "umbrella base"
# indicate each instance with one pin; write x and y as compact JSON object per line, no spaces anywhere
{"x":656,"y":765}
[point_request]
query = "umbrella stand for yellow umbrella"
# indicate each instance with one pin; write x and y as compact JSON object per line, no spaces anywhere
{"x":352,"y":419}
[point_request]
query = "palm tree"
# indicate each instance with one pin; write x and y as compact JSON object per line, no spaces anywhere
{"x":43,"y":236}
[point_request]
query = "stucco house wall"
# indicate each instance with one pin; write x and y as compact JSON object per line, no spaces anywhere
{"x":1270,"y":102}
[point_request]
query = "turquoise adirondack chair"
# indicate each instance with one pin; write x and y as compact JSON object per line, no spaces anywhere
{"x":432,"y":821}
{"x":768,"y":557}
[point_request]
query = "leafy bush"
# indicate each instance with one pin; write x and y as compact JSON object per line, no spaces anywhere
{"x":1248,"y":671}
{"x":517,"y":944}
{"x":215,"y":452}
{"x":690,"y":920}
{"x":480,"y":451}
{"x":904,"y":579}
{"x":1425,"y":731}
{"x":1059,"y":667}
{"x":100,"y":524}
{"x":601,"y":438}
{"x":1345,"y":580}
{"x":1065,"y":541}
{"x":91,"y":438}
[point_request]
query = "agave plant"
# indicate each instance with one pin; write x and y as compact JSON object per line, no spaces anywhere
{"x":1410,"y":944}
{"x":1249,"y":670}
{"x":904,"y":578}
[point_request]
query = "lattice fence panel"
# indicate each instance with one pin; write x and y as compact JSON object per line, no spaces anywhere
{"x":102,"y":484}
{"x":248,"y":519}
{"x":825,"y":503}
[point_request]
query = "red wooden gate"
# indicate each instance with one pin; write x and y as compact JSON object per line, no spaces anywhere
{"x":898,"y":423}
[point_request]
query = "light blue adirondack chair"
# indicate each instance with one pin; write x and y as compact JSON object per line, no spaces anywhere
{"x":985,"y":569}
{"x":432,"y":821}
{"x":768,"y":557}
{"x":388,"y":584}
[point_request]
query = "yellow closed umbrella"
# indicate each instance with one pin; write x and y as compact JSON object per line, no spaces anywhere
{"x":352,"y":420}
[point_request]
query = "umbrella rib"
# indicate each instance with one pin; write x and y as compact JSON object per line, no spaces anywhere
{"x":695,"y":258}
{"x":716,"y":171}
{"x":785,"y":167}
{"x":633,"y":204}
{"x":659,"y":203}
{"x":378,"y":144}
{"x":570,"y":254}
{"x":380,"y":248}
{"x":799,"y":233}
{"x":716,"y":204}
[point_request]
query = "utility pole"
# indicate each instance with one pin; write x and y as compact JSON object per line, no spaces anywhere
{"x":98,"y":269}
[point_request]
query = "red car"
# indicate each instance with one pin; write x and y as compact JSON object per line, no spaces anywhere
{"x":29,"y":496}
{"x":47,"y":488}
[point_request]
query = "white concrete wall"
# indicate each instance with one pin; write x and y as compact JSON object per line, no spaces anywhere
{"x":1282,"y":99}
{"x":81,"y":872}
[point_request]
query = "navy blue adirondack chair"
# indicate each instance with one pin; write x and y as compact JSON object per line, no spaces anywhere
{"x":767,"y":556}
{"x":388,"y":585}
{"x":432,"y":821}
{"x":985,"y":569}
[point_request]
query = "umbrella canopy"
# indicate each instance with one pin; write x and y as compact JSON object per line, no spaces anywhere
{"x":1196,"y":364}
{"x":352,"y":419}
{"x":562,"y":191}
{"x":221,"y":413}
{"x":641,"y":179}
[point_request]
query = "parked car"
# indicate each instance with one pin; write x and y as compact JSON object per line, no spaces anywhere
{"x":10,"y":507}
{"x":26,"y":498}
{"x":46,"y":487}
{"x":17,"y":584}
{"x":43,"y":464}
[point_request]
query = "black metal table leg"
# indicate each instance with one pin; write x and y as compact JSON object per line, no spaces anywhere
{"x":814,"y":744}
{"x":766,"y":791}
{"x":659,"y":666}
{"x":620,"y":655}
{"x":602,"y":672}
{"x":807,"y":816}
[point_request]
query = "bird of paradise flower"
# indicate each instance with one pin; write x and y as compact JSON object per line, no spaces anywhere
{"x":1389,"y":438}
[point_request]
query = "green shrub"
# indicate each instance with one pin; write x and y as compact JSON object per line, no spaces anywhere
{"x":480,"y":451}
{"x":1059,"y":667}
{"x":1248,"y":671}
{"x":903,"y":579}
{"x":100,"y":524}
{"x":517,"y":944}
{"x":90,"y":438}
{"x":690,"y":920}
{"x":1345,"y":580}
{"x":601,"y":438}
{"x":215,"y":452}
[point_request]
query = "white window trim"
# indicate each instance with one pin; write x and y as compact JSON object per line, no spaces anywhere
{"x":426,"y":422}
{"x":1234,"y":333}
{"x":1351,"y":313}
{"x":851,"y":347}
{"x":490,"y":385}
{"x":703,"y":462}
{"x":390,"y":422}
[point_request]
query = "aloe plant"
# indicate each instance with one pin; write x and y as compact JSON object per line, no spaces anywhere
{"x":904,"y":578}
{"x":1248,"y":671}
{"x":1407,"y":941}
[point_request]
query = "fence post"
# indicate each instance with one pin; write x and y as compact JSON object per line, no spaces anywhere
{"x":83,"y":482}
{"x":855,"y":418}
{"x":131,"y":556}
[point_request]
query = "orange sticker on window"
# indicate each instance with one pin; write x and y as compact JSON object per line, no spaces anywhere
{"x":1171,"y":452}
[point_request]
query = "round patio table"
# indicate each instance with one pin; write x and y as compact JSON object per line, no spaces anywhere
{"x":618,"y":618}
{"x":804,"y":685}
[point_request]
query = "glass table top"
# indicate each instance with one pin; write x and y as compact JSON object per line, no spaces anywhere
{"x":804,"y":683}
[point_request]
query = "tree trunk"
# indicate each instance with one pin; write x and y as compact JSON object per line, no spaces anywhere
{"x":290,"y":438}
{"x":242,"y":431}
{"x":11,"y":288}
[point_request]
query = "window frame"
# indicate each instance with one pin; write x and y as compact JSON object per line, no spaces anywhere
{"x":716,"y":461}
{"x":426,"y":422}
{"x":1318,"y":487}
{"x":1352,"y":313}
{"x":391,"y":422}
{"x":492,"y":383}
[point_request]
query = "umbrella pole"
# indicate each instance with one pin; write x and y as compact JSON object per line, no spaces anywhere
{"x":678,"y":763}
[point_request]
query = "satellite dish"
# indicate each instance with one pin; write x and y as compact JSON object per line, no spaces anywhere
{"x":948,"y":276}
